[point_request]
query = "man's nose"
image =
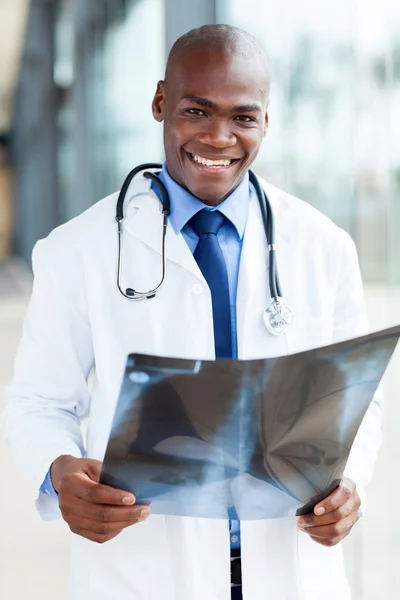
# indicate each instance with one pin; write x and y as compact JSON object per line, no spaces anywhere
{"x":218,"y":134}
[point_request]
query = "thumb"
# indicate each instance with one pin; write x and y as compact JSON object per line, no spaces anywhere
{"x":92,"y":468}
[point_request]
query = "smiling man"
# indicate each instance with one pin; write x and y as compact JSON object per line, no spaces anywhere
{"x":213,"y":104}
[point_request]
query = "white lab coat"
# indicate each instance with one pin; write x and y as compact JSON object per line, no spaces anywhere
{"x":77,"y":320}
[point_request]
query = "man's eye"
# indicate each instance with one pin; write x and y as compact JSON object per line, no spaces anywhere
{"x":245,"y":119}
{"x":195,"y":111}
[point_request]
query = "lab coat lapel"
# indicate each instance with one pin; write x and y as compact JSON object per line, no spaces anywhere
{"x":253,"y":295}
{"x":254,"y":256}
{"x":144,"y":220}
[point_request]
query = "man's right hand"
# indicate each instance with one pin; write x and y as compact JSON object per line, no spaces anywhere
{"x":94,"y":511}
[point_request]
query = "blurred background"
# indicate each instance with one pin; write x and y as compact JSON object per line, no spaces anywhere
{"x":76,"y":83}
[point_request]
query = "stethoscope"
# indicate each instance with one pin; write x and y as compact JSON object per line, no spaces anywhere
{"x":276,"y":317}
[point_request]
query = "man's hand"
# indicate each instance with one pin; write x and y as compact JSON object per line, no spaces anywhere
{"x":94,"y":511}
{"x":334,"y":516}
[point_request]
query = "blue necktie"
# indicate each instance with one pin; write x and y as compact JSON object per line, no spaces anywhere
{"x":209,"y":257}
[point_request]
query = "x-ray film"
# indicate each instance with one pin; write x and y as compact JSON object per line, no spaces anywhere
{"x":242,"y":439}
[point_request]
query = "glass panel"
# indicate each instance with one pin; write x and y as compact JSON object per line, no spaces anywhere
{"x":101,"y":128}
{"x":128,"y":60}
{"x":136,"y":64}
{"x":123,"y":58}
{"x":63,"y":80}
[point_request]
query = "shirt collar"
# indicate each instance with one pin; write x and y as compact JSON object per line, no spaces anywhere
{"x":184,"y":205}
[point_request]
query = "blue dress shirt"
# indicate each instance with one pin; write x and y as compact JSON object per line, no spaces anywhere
{"x":47,"y":486}
{"x":183,"y":207}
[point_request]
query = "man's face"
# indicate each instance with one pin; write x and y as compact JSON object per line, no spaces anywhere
{"x":214,"y":108}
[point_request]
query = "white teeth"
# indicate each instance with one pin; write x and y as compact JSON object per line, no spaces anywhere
{"x":211,"y":163}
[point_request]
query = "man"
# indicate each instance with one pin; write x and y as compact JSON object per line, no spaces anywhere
{"x":213,"y":103}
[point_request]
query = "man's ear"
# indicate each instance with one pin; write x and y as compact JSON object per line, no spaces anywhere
{"x":158,"y":104}
{"x":266,"y":123}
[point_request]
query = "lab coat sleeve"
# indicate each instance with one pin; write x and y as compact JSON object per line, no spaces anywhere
{"x":49,"y":395}
{"x":350,"y":320}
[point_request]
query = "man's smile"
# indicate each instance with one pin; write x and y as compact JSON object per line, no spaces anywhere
{"x":211,"y":165}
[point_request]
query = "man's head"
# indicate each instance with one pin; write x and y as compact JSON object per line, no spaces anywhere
{"x":213,"y":102}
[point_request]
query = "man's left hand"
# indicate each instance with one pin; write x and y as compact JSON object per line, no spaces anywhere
{"x":333,"y":517}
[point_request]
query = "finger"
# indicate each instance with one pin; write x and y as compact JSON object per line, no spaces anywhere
{"x":94,"y":537}
{"x":334,"y":516}
{"x":72,"y":507}
{"x":328,"y":543}
{"x":93,"y":469}
{"x":104,"y":529}
{"x":337,"y":498}
{"x":333,"y":530}
{"x":95,"y":493}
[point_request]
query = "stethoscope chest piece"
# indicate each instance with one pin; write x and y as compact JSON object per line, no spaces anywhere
{"x":277,"y":317}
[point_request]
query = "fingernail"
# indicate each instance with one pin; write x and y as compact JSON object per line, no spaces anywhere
{"x":128,"y":500}
{"x":303,"y":524}
{"x":144,"y":514}
{"x":320,"y":510}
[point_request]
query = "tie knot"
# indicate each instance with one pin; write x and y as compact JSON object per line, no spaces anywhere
{"x":207,"y":221}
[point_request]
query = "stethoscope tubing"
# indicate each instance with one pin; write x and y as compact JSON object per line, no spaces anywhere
{"x":268,"y":222}
{"x":124,"y":190}
{"x":130,"y":293}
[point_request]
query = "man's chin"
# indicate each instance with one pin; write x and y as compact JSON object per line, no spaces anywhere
{"x":211,"y":194}
{"x":211,"y":190}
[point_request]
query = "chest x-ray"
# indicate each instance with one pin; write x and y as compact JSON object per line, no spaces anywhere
{"x":248,"y":439}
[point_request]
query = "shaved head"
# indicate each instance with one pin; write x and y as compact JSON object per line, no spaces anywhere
{"x":225,"y":39}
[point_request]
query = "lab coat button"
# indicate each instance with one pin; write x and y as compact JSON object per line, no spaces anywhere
{"x":197,"y":289}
